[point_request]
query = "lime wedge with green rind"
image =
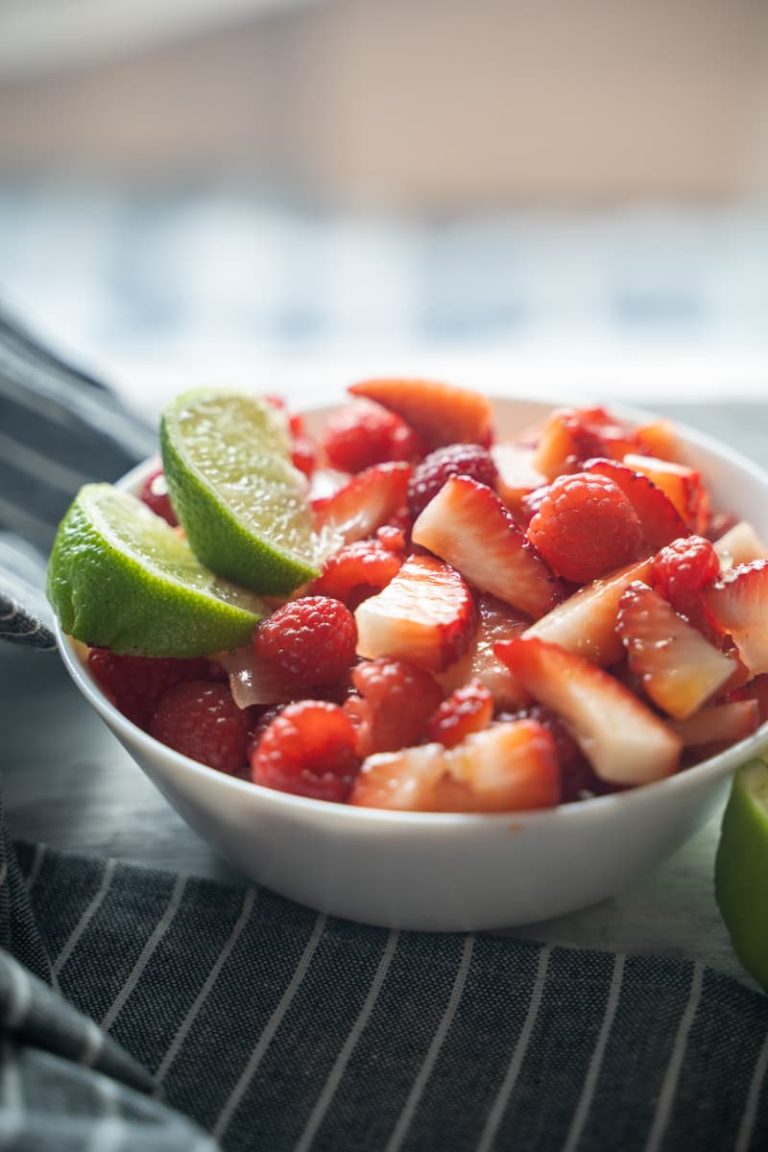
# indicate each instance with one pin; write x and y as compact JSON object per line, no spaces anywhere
{"x":741,"y":868}
{"x":242,"y":504}
{"x":119,"y":577}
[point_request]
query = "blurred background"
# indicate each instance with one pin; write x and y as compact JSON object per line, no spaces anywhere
{"x":525,"y":194}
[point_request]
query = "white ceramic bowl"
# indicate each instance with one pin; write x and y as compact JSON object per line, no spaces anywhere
{"x":437,"y":871}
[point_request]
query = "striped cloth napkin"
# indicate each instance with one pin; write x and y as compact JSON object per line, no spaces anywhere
{"x":145,"y":1010}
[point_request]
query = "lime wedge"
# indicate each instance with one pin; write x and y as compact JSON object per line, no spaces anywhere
{"x":240,"y":500}
{"x":741,"y":868}
{"x":121,"y":578}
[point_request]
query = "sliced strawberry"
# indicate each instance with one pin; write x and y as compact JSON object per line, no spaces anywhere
{"x":738,"y":604}
{"x":623,"y":740}
{"x":426,"y":615}
{"x":578,"y":780}
{"x":757,"y":690}
{"x":684,"y":487}
{"x":369,"y":500}
{"x":467,"y":525}
{"x":497,"y":622}
{"x":357,"y":571}
{"x":395,"y":703}
{"x":468,"y":709}
{"x":740,"y":545}
{"x":505,"y":768}
{"x":362,"y":434}
{"x":659,"y":519}
{"x":679,"y":669}
{"x":439,"y":413}
{"x":585,"y":623}
{"x":719,"y":724}
{"x":518,"y":477}
{"x":659,"y":438}
{"x":572,"y":435}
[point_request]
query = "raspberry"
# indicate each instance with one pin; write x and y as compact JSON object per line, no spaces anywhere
{"x":202,"y":721}
{"x":357,"y":571}
{"x":312,"y":639}
{"x":680,"y":573}
{"x":154,"y":493}
{"x":364,"y":434}
{"x":466,"y":710}
{"x":453,"y":460}
{"x":308,"y":749}
{"x":585,"y":527}
{"x":394,"y":706}
{"x":136,"y":683}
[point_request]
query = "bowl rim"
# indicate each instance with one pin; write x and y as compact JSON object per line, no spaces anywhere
{"x":707,"y":771}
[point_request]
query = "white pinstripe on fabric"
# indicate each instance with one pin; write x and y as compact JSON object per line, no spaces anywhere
{"x":237,"y":1093}
{"x":85,"y":919}
{"x":161,"y":928}
{"x":521,"y":1047}
{"x":406,"y":1116}
{"x":672,"y":1074}
{"x":747,"y":1126}
{"x":348,"y":1047}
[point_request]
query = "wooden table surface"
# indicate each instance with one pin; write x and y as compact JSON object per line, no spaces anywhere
{"x":70,"y":784}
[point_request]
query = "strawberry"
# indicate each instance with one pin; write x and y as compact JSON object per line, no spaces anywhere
{"x":659,"y":519}
{"x":356,"y":571}
{"x":426,"y":615}
{"x":719,"y":723}
{"x":369,"y":500}
{"x":623,"y":740}
{"x":684,"y":487}
{"x":678,"y":669}
{"x":738,"y":604}
{"x":585,"y":623}
{"x":304,"y":455}
{"x":518,"y":476}
{"x":394,"y":706}
{"x":740,"y":545}
{"x":363,"y":434}
{"x":497,"y":622}
{"x":467,"y":525}
{"x":468,"y":709}
{"x":505,"y":768}
{"x":439,"y":413}
{"x":659,"y":438}
{"x":576,"y":775}
{"x":571,"y":435}
{"x":586,"y":527}
{"x":154,"y":493}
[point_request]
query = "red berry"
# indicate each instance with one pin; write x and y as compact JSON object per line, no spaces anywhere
{"x":392,"y":537}
{"x":202,"y":721}
{"x":576,"y":774}
{"x":364,"y":434}
{"x":304,"y":455}
{"x":154,"y":493}
{"x":136,"y":683}
{"x":394,"y":706}
{"x":308,"y":749}
{"x":468,"y":709}
{"x":682,"y":569}
{"x":312,"y":639}
{"x":585,"y":527}
{"x":357,"y":571}
{"x":453,"y":460}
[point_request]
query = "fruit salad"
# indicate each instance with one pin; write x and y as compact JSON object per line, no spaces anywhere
{"x":407,"y":612}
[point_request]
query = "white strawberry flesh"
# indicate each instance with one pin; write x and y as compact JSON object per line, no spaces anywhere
{"x":739,"y":606}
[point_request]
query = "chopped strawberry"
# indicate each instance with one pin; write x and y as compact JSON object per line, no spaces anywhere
{"x":312,"y":640}
{"x":308,"y":749}
{"x":738,"y":604}
{"x":436,"y":469}
{"x":468,"y":709}
{"x":572,"y":435}
{"x":440,"y":413}
{"x":427,"y":615}
{"x":154,"y":493}
{"x":467,"y":525}
{"x":202,"y":721}
{"x":623,"y":740}
{"x":394,"y":707}
{"x":659,"y":519}
{"x":505,"y":768}
{"x":135,"y":683}
{"x":740,"y":545}
{"x":757,"y":690}
{"x":719,"y":723}
{"x":497,"y":622}
{"x":357,"y":571}
{"x":518,"y":476}
{"x":585,"y":623}
{"x":304,"y":455}
{"x":363,"y":434}
{"x":684,"y":487}
{"x":660,"y":439}
{"x":719,"y":524}
{"x":586,"y":527}
{"x":369,"y":500}
{"x":576,"y":774}
{"x":679,"y":669}
{"x":392,"y":537}
{"x":682,"y":571}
